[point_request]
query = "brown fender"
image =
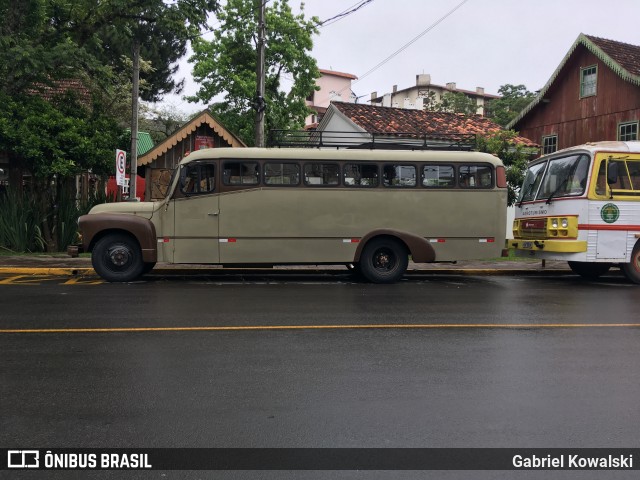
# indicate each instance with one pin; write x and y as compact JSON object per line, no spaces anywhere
{"x":95,"y":226}
{"x":420,"y":249}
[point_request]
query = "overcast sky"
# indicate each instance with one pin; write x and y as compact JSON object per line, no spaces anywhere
{"x":483,"y":43}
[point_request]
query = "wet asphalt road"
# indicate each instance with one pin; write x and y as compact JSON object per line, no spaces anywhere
{"x":462,"y":375}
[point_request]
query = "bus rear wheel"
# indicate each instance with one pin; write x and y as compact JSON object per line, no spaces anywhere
{"x":631,"y":270}
{"x":117,"y":257}
{"x":384,"y":260}
{"x":589,"y":270}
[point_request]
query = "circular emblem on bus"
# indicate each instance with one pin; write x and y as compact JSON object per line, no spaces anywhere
{"x":610,"y":213}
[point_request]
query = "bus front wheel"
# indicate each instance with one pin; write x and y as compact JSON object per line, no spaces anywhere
{"x":117,"y":257}
{"x":631,"y":270}
{"x":589,"y":270}
{"x":384,"y":260}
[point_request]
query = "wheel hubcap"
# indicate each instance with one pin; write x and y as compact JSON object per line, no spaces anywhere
{"x":119,"y":255}
{"x":383,"y":260}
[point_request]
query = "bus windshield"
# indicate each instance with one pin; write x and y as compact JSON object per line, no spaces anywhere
{"x":559,"y":177}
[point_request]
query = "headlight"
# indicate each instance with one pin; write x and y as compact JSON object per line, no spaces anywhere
{"x":565,"y":223}
{"x":554,"y":223}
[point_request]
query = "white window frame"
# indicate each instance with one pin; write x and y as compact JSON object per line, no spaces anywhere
{"x":588,"y":89}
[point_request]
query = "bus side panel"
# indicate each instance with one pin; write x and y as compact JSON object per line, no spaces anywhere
{"x":280,"y":225}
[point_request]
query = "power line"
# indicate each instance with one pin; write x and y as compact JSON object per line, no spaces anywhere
{"x":352,"y":9}
{"x":411,"y":42}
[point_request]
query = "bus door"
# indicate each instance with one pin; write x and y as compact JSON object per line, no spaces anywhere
{"x":612,"y":240}
{"x":196,"y":214}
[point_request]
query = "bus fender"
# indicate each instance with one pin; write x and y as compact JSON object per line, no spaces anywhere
{"x":420,"y":249}
{"x":95,"y":226}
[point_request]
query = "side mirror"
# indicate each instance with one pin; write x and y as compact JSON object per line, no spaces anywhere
{"x":612,"y":173}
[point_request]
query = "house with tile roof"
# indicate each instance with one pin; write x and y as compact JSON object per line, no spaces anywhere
{"x":593,"y":95}
{"x":202,"y":131}
{"x":418,"y":96}
{"x":398,"y":123}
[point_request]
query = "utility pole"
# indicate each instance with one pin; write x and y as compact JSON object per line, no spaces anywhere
{"x":260,"y":103}
{"x":134,"y":120}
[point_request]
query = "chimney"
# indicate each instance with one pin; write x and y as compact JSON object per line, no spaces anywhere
{"x":451,"y":86}
{"x":374,"y":95}
{"x":395,"y":88}
{"x":480,"y":90}
{"x":423,"y":80}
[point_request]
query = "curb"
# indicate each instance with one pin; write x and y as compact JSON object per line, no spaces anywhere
{"x":79,"y":271}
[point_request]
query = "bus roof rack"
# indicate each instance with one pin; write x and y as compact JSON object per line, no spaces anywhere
{"x":371,"y":141}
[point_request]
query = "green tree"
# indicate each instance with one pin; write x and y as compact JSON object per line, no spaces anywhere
{"x":226,"y":66}
{"x":54,"y":140}
{"x":514,"y":155}
{"x":456,"y":102}
{"x":44,"y":130}
{"x":514,"y":98}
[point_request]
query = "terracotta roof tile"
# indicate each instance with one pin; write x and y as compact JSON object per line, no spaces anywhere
{"x":398,"y":120}
{"x":624,"y":54}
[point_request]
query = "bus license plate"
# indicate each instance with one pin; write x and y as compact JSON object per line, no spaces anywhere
{"x":527,"y":244}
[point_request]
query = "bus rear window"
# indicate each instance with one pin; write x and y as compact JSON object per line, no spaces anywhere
{"x":475,"y":176}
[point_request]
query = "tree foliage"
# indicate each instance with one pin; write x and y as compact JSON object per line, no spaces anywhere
{"x":514,"y":155}
{"x":54,"y":134}
{"x":514,"y":98}
{"x":226,"y":66}
{"x":457,"y":102}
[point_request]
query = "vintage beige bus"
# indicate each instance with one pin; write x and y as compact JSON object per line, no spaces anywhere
{"x":582,"y":205}
{"x":368,"y":209}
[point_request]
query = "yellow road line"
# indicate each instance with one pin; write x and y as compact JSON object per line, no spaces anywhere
{"x":324,"y":327}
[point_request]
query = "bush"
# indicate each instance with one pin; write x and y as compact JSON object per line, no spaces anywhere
{"x":20,"y":220}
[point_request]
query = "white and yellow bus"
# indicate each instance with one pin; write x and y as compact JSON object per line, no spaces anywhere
{"x":369,"y":209}
{"x":582,"y":205}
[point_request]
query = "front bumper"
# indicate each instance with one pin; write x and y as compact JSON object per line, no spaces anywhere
{"x":560,"y":246}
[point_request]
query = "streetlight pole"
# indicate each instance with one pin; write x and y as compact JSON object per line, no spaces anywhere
{"x":260,"y":74}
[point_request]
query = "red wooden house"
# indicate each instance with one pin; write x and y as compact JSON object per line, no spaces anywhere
{"x":593,"y":95}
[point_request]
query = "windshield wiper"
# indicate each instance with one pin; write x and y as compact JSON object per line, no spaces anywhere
{"x":560,"y":187}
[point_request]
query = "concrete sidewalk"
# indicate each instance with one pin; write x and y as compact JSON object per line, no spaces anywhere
{"x":62,"y":264}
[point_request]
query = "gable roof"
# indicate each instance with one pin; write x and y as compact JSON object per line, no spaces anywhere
{"x":372,"y":119}
{"x":204,"y":117}
{"x":622,"y":58}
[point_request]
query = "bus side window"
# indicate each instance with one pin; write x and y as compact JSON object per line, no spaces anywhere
{"x":361,"y":175}
{"x":322,"y":174}
{"x":281,"y":173}
{"x":198,"y":178}
{"x":397,"y":175}
{"x":438,"y":176}
{"x":634,"y":172}
{"x":623,"y":182}
{"x":240,"y":173}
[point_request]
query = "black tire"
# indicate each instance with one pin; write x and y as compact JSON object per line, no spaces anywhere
{"x":589,"y":270}
{"x":117,"y":257}
{"x":631,"y":270}
{"x":384,"y":260}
